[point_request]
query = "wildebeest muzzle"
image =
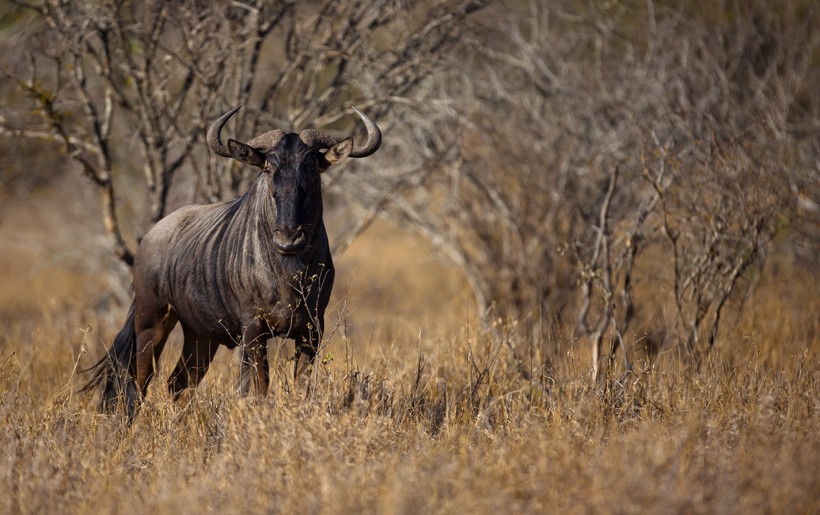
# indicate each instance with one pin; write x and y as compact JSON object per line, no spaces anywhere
{"x":289,"y":241}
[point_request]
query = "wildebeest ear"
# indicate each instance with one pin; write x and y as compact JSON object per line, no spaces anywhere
{"x":246,"y":153}
{"x":338,"y":151}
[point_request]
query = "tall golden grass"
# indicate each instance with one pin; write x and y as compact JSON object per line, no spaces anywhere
{"x":414,"y":408}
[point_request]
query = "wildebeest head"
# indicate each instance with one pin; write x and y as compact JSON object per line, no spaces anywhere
{"x":293,"y":164}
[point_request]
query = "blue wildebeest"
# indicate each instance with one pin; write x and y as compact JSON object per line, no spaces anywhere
{"x":234,"y":273}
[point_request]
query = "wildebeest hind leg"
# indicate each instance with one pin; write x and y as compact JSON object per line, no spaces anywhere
{"x":193,"y":363}
{"x":152,"y":328}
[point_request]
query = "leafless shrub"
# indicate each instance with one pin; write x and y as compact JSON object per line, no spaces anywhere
{"x":585,"y":137}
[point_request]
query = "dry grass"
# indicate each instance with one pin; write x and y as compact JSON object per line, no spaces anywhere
{"x":415,"y":410}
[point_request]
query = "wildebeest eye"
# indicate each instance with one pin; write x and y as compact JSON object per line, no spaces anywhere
{"x":312,"y":180}
{"x":310,"y":164}
{"x":273,"y":162}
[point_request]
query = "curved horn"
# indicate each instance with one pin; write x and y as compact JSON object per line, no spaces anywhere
{"x":265,"y":142}
{"x":374,"y":137}
{"x":212,"y":137}
{"x":317,"y":138}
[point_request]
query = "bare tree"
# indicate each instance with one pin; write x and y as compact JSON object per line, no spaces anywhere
{"x":127,"y":88}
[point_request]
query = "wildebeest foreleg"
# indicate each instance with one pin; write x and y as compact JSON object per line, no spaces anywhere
{"x":253,"y":366}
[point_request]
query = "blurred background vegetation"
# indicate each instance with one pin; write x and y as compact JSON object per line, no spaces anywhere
{"x":618,"y":173}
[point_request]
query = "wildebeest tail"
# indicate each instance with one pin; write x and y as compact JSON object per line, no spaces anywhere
{"x":114,"y":373}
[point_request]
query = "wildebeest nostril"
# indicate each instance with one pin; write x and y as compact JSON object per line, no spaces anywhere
{"x":289,"y":241}
{"x":288,"y":234}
